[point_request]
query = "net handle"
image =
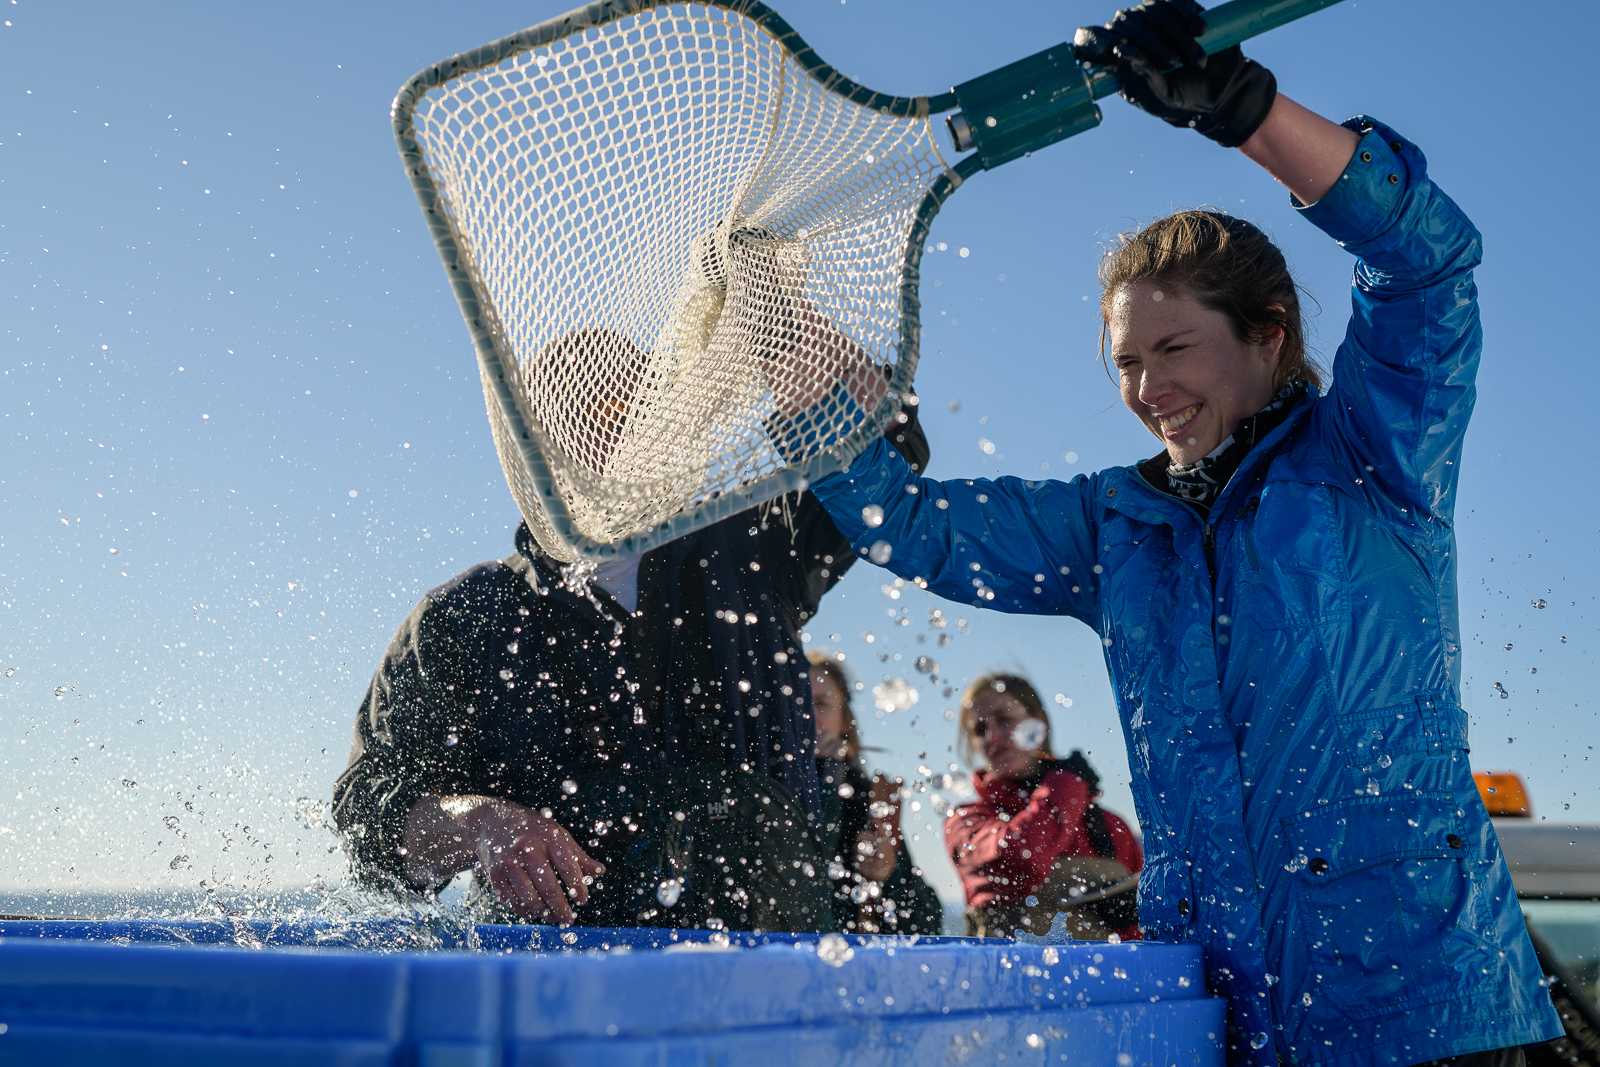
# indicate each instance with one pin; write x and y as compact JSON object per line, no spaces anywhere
{"x":1049,"y":96}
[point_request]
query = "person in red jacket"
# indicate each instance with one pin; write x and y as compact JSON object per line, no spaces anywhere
{"x":1034,"y":844}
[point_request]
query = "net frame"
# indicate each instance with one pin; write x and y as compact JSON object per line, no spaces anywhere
{"x":519,"y":436}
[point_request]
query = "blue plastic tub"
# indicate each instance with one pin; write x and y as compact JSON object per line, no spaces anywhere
{"x":256,"y":992}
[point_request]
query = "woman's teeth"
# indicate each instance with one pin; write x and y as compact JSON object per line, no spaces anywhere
{"x":1176,"y":422}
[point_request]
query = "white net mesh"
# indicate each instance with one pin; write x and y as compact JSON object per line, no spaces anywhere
{"x":681,"y":242}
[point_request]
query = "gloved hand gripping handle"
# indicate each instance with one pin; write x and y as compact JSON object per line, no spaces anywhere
{"x":1049,"y":97}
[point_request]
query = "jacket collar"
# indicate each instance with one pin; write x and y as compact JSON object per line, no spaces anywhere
{"x":1125,"y":490}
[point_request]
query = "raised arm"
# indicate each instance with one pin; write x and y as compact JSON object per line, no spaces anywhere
{"x":1162,"y":69}
{"x":1403,"y":379}
{"x":1301,"y":149}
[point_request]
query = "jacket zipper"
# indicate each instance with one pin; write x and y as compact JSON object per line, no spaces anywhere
{"x":1247,"y":513}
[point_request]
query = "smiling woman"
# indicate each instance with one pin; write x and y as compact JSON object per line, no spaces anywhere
{"x":1275,"y":591}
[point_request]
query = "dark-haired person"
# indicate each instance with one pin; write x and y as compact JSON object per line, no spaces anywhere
{"x":876,"y":889}
{"x":1034,"y":844}
{"x":511,"y":684}
{"x":1276,"y":591}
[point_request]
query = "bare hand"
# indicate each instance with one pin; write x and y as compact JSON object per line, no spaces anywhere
{"x":530,"y":860}
{"x":878,"y":847}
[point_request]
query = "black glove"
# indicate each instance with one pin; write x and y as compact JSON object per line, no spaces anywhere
{"x":1163,"y":70}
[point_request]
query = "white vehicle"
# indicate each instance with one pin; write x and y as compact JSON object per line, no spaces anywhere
{"x":1555,"y":867}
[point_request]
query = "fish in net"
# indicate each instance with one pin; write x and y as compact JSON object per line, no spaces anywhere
{"x":687,"y":249}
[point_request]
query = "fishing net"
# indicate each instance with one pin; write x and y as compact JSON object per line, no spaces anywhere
{"x":687,"y":252}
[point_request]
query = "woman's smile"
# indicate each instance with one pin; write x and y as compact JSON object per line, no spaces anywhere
{"x":1175,"y":424}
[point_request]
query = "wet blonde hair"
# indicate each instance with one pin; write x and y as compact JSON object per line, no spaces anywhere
{"x":1012,"y":685}
{"x":1228,"y":265}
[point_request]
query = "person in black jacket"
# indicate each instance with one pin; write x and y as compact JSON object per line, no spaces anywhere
{"x":876,"y":888}
{"x":508,"y":684}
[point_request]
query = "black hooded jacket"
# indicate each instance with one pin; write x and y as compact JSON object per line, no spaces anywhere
{"x":502,"y":682}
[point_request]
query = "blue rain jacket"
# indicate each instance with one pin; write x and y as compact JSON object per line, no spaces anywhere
{"x":1288,"y":677}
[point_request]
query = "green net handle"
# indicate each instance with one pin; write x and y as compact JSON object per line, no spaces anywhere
{"x":1227,"y":25}
{"x":1049,"y":96}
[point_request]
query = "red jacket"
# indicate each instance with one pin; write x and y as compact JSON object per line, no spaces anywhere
{"x":1004,"y":843}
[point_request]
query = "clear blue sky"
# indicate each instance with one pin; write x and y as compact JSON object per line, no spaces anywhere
{"x":241,"y":429}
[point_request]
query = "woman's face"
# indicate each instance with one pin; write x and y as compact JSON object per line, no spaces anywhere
{"x":995,"y":717}
{"x":827,"y":705}
{"x":1183,"y":370}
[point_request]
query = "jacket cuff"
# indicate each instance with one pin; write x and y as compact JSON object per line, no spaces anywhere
{"x":1370,"y":195}
{"x":375,"y":842}
{"x":820,"y":426}
{"x":848,"y":493}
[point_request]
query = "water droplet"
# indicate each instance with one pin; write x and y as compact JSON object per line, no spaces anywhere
{"x":178,"y":863}
{"x":1372,"y":787}
{"x":1259,"y":1039}
{"x":986,"y":446}
{"x":512,"y":647}
{"x":1029,"y":734}
{"x":1050,"y":956}
{"x":1305,"y":998}
{"x":1508,"y":646}
{"x":894,"y":695}
{"x":872,"y":515}
{"x":1386,"y":760}
{"x":569,"y":787}
{"x":115,"y":551}
{"x":669,"y":891}
{"x":507,"y":675}
{"x":1035,"y":1041}
{"x":835,"y":950}
{"x":171,"y":822}
{"x":964,"y":252}
{"x":880,"y":552}
{"x":1539,"y":604}
{"x":926,"y":665}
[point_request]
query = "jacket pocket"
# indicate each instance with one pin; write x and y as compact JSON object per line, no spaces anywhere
{"x":1166,"y":899}
{"x":1387,"y":900}
{"x":1429,"y":724}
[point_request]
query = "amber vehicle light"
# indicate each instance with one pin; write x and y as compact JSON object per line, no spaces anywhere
{"x":1503,"y":793}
